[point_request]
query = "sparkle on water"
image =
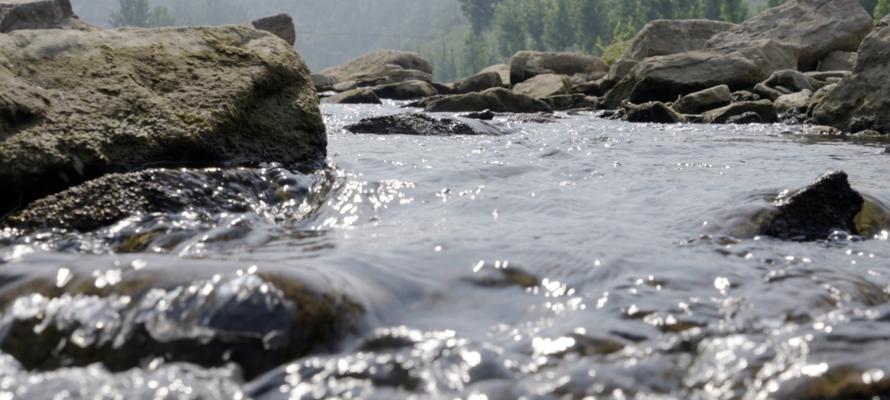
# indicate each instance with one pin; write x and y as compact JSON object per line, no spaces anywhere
{"x":577,"y":259}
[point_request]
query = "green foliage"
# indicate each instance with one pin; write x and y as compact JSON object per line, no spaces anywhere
{"x":138,"y":13}
{"x":881,"y":10}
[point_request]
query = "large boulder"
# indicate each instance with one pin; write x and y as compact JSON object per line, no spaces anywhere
{"x":418,"y":124}
{"x":281,"y":25}
{"x":664,"y":37}
{"x":861,"y":100}
{"x":495,"y":99}
{"x":75,"y":105}
{"x":38,"y":14}
{"x":478,"y":82}
{"x":815,"y":28}
{"x":503,"y":70}
{"x":527,"y":64}
{"x":829,"y":204}
{"x":544,"y":85}
{"x":381,"y":67}
{"x":664,"y":78}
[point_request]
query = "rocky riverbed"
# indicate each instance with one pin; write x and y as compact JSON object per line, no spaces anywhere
{"x":190,"y":214}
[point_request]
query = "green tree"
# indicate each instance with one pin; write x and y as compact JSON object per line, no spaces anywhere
{"x":480,"y":13}
{"x":559,"y":33}
{"x":138,"y":13}
{"x":711,"y":9}
{"x":881,"y":10}
{"x":509,"y":35}
{"x":734,"y":10}
{"x":775,"y":3}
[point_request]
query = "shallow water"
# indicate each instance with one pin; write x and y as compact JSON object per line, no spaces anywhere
{"x":579,"y":259}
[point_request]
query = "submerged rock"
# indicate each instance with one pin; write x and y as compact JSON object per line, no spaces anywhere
{"x":253,"y":321}
{"x":495,"y":99}
{"x":861,"y":100}
{"x":705,"y":100}
{"x":421,"y":125}
{"x":664,"y":37}
{"x":526,"y":64}
{"x":816,"y":211}
{"x":113,"y":101}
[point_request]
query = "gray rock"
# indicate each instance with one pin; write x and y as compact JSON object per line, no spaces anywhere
{"x":838,"y":61}
{"x":767,"y":92}
{"x":281,"y":25}
{"x":665,"y":37}
{"x":495,"y":99}
{"x":705,"y":100}
{"x":749,"y":117}
{"x":861,"y":101}
{"x":354,"y":96}
{"x":381,"y":67}
{"x":795,"y":102}
{"x":792,"y":80}
{"x":503,"y":71}
{"x":653,"y":111}
{"x":763,"y":108}
{"x":816,"y":211}
{"x":421,"y":125}
{"x":814,"y":28}
{"x":112,"y":101}
{"x":544,"y":85}
{"x":744,"y":95}
{"x":39,"y":14}
{"x":825,"y":76}
{"x":406,"y":90}
{"x":478,"y":83}
{"x":527,"y":64}
{"x":323,"y":83}
{"x":572,"y":102}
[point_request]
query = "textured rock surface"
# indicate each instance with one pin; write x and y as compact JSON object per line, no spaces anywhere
{"x":838,"y":61}
{"x":705,"y":100}
{"x":354,"y":96}
{"x":478,"y":82}
{"x":91,"y":103}
{"x":527,"y":64}
{"x":381,"y":67}
{"x":496,"y":99}
{"x":815,"y":28}
{"x":654,"y":111}
{"x":407,"y":90}
{"x":763,"y":108}
{"x":862,"y":100}
{"x":544,"y":85}
{"x":664,"y":37}
{"x":421,"y":125}
{"x":814,"y":212}
{"x":38,"y":14}
{"x":794,"y":102}
{"x":503,"y":71}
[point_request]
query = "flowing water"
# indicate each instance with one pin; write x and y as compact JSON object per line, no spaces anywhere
{"x":580,"y":258}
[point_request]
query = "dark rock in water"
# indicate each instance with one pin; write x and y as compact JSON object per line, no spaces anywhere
{"x":354,"y":96}
{"x":208,"y":96}
{"x":861,"y":100}
{"x":527,"y":64}
{"x":653,"y":111}
{"x":495,"y":99}
{"x":486,"y":115}
{"x":664,"y":37}
{"x":478,"y":83}
{"x":420,"y":125}
{"x":763,"y":108}
{"x":256,"y":322}
{"x":705,"y":100}
{"x":745,"y":118}
{"x":103,"y":201}
{"x":281,"y":25}
{"x":407,"y":90}
{"x":572,"y":102}
{"x":816,"y":211}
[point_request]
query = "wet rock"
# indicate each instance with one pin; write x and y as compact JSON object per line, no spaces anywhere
{"x":503,"y":71}
{"x":664,"y":78}
{"x":792,"y":80}
{"x":861,"y":101}
{"x":106,"y":200}
{"x":814,"y":28}
{"x":816,"y":211}
{"x":406,"y":90}
{"x":495,"y":99}
{"x":500,"y":275}
{"x":749,"y":117}
{"x":544,"y":85}
{"x":486,"y":115}
{"x":838,"y":61}
{"x":818,"y":97}
{"x":112,"y":101}
{"x":705,"y":100}
{"x":572,"y":102}
{"x":381,"y":67}
{"x":665,"y":37}
{"x":253,"y":321}
{"x":793,"y":103}
{"x":478,"y":83}
{"x":354,"y":96}
{"x":527,"y":64}
{"x":39,"y":14}
{"x":421,"y":125}
{"x":281,"y":25}
{"x":763,"y":108}
{"x":653,"y":111}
